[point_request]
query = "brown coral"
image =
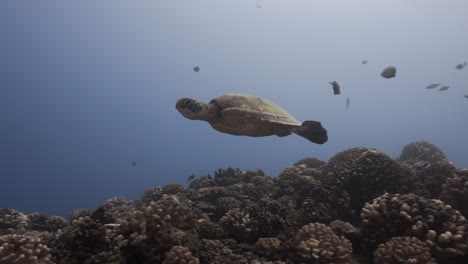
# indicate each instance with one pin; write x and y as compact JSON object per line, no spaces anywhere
{"x":23,"y":249}
{"x":403,"y":250}
{"x":367,"y":173}
{"x":455,"y":191}
{"x":316,"y":243}
{"x":311,"y":163}
{"x":180,"y":255}
{"x":10,"y":218}
{"x":422,"y":151}
{"x":442,"y":228}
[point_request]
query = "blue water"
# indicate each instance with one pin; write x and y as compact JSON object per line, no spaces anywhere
{"x":88,"y":87}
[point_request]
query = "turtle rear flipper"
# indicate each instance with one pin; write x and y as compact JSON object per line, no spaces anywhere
{"x":313,"y":131}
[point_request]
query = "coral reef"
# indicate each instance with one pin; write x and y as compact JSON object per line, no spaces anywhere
{"x":441,"y":227}
{"x":311,"y":163}
{"x":422,"y":151}
{"x":455,"y":191}
{"x":316,"y":243}
{"x":359,"y":207}
{"x":401,"y":250}
{"x":23,"y":249}
{"x":366,"y":173}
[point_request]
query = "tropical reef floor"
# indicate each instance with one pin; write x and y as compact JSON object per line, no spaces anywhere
{"x":359,"y":207}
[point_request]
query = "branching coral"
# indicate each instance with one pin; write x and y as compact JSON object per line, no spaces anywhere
{"x":76,"y":214}
{"x":180,"y":255}
{"x":79,"y":241}
{"x":422,"y":151}
{"x":24,"y":250}
{"x":316,"y":243}
{"x":432,"y":176}
{"x":316,"y":200}
{"x":455,"y":191}
{"x":367,"y":173}
{"x":311,"y":163}
{"x":43,"y":223}
{"x":403,"y":250}
{"x":151,"y":232}
{"x":151,"y":195}
{"x":10,"y":218}
{"x":442,"y":228}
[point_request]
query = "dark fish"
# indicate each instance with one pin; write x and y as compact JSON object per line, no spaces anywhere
{"x":347,"y":103}
{"x":336,"y":87}
{"x":444,"y":88}
{"x":389,"y":72}
{"x":364,"y":62}
{"x":464,"y":63}
{"x":196,"y":69}
{"x":466,"y":96}
{"x":133,"y":163}
{"x":459,"y":66}
{"x":432,"y":86}
{"x":102,"y":216}
{"x":191,"y":177}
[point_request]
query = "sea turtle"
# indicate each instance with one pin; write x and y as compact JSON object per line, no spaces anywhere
{"x":248,"y":115}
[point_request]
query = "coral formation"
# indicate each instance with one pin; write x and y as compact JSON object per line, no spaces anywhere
{"x":316,"y":243}
{"x":23,"y":249}
{"x":359,"y":207}
{"x":441,"y":227}
{"x":455,"y":191}
{"x":367,"y":173}
{"x":180,"y":255}
{"x":422,"y":151}
{"x":82,"y":212}
{"x":311,"y":163}
{"x":402,"y":250}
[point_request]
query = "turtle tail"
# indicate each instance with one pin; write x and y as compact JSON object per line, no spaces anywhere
{"x":313,"y":131}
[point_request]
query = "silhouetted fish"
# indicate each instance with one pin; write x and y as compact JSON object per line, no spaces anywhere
{"x":347,"y":103}
{"x":459,"y":66}
{"x":336,"y":87}
{"x":432,"y":86}
{"x":364,"y":62}
{"x":196,"y":69}
{"x":389,"y":72}
{"x":444,"y":88}
{"x":133,"y":163}
{"x":464,"y":63}
{"x":466,"y":96}
{"x":191,"y":177}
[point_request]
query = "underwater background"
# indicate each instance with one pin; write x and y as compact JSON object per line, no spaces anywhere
{"x":88,"y":92}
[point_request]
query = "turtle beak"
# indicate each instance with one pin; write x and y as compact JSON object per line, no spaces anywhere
{"x":186,"y":108}
{"x":180,"y":104}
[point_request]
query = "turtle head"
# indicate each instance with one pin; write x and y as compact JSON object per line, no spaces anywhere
{"x":192,"y":109}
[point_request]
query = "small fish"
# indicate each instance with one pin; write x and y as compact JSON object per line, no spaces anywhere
{"x":336,"y":87}
{"x":347,"y":103}
{"x":444,"y":88}
{"x":464,"y":63}
{"x":196,"y":69}
{"x":191,"y":177}
{"x":258,"y":5}
{"x":459,"y":66}
{"x":389,"y":72}
{"x":466,"y":96}
{"x":364,"y":62}
{"x":133,"y":163}
{"x":432,"y":86}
